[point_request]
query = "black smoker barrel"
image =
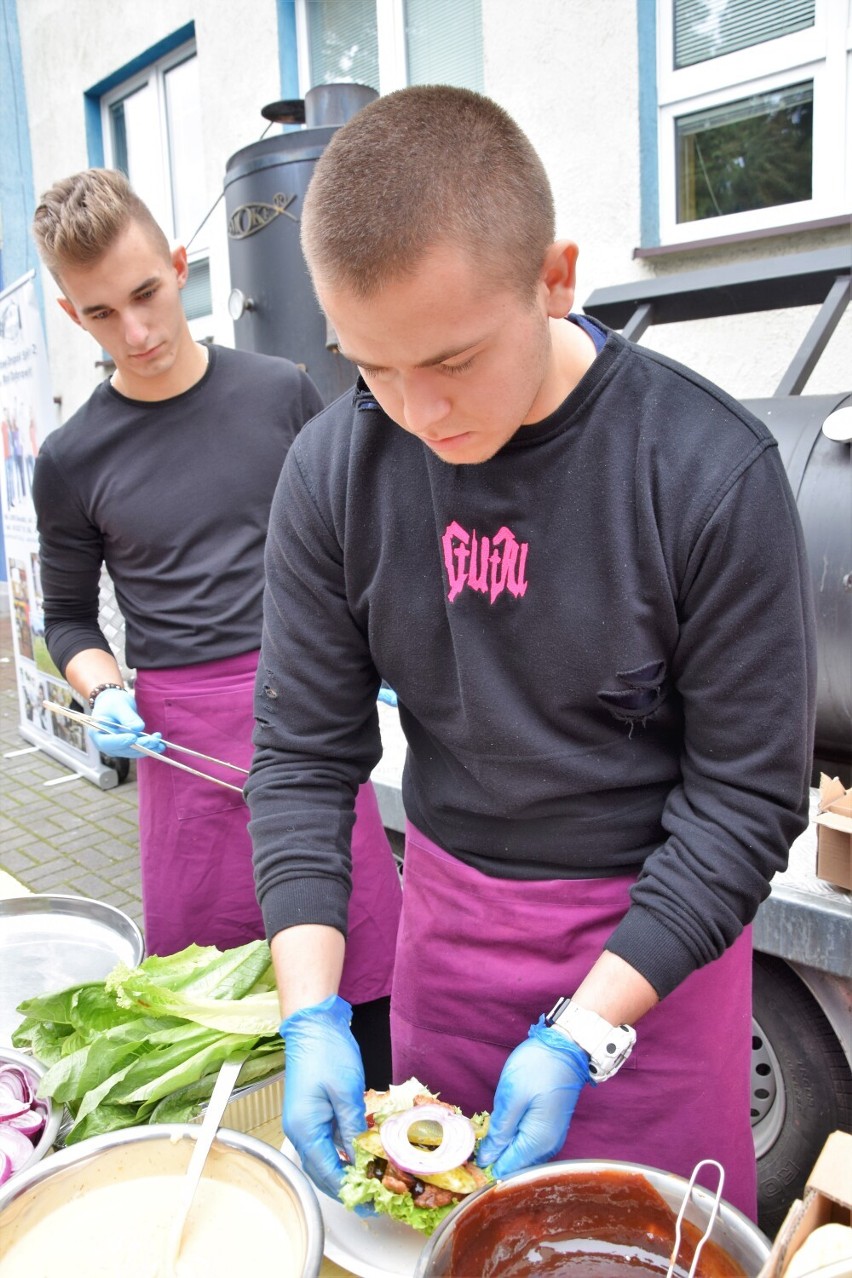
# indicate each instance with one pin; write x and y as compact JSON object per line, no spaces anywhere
{"x":818,"y":469}
{"x":273,"y":304}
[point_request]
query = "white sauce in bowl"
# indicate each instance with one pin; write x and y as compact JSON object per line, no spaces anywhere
{"x":112,"y":1214}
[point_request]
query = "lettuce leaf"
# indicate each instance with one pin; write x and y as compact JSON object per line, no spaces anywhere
{"x":118,"y":1049}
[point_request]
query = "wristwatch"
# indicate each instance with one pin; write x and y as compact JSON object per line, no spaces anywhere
{"x":608,"y":1045}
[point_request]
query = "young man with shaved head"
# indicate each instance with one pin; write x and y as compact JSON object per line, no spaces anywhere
{"x":579,"y":565}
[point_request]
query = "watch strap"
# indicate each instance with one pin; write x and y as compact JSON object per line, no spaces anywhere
{"x":608,"y":1046}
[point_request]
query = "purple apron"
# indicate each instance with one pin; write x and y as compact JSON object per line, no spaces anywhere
{"x":195,"y":850}
{"x":479,"y":959}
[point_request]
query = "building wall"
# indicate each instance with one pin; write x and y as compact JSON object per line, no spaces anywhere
{"x":568,"y":70}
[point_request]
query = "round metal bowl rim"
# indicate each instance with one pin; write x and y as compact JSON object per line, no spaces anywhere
{"x":32,"y":901}
{"x":94,"y":1145}
{"x":54,"y":1112}
{"x":530,"y":1175}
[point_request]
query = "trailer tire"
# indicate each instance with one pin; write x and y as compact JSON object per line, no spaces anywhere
{"x":801,"y":1087}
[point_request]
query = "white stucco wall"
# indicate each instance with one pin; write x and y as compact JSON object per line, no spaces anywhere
{"x":566,"y":69}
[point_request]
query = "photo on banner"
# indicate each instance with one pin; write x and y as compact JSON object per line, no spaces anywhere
{"x":27,"y":415}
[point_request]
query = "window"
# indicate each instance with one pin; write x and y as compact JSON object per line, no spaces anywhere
{"x":152,"y":132}
{"x":753,"y":117}
{"x":390,"y":43}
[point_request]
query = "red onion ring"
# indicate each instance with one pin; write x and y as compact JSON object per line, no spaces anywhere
{"x":456,"y":1145}
{"x":22,"y":1118}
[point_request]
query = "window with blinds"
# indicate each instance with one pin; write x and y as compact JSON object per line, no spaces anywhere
{"x":196,"y":294}
{"x":389,"y":43}
{"x":444,"y":42}
{"x":754,"y":116}
{"x":705,"y":29}
{"x":343,"y":42}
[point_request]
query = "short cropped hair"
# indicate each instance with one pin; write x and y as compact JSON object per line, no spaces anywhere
{"x":426,"y":166}
{"x":81,"y":216}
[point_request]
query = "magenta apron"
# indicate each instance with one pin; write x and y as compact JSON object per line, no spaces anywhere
{"x":479,"y":959}
{"x":195,"y":850}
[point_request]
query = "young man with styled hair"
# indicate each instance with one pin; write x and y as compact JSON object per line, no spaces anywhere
{"x":579,"y":565}
{"x":166,"y":475}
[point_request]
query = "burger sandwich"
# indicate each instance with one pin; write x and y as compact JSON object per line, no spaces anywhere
{"x":415,"y":1160}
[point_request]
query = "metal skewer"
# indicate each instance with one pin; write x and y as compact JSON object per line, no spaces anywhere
{"x":105,"y":725}
{"x":708,"y":1229}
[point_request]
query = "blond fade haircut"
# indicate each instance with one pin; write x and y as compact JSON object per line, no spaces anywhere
{"x":426,"y":166}
{"x":81,"y":216}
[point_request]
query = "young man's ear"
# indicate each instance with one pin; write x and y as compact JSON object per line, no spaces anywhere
{"x":559,"y":277}
{"x":181,"y":265}
{"x":68,"y":308}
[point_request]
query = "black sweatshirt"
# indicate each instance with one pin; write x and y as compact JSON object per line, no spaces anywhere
{"x":601,"y":639}
{"x":174,"y":496}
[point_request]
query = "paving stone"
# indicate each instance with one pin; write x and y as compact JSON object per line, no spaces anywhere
{"x":16,"y":861}
{"x":47,"y":874}
{"x":94,"y":886}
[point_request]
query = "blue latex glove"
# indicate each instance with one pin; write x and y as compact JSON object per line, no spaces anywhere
{"x":323,"y":1089}
{"x":118,"y":706}
{"x":534,"y":1102}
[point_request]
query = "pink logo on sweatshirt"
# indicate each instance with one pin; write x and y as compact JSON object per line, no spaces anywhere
{"x":487,"y":564}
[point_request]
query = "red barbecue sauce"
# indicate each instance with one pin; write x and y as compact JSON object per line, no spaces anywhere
{"x":604,"y":1225}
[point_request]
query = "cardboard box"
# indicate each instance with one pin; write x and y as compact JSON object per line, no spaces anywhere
{"x":834,"y":833}
{"x":827,"y":1199}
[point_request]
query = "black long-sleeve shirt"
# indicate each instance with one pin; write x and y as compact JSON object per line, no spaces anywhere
{"x":174,"y":496}
{"x":601,"y":640}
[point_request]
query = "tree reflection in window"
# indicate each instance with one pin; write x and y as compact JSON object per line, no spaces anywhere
{"x":751,"y":154}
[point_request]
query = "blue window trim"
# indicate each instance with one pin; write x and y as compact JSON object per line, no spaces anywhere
{"x":17,"y":193}
{"x":92,"y":96}
{"x":646,"y":30}
{"x":288,"y":57}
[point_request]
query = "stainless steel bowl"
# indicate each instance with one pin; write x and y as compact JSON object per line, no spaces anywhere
{"x":31,"y":1196}
{"x":51,"y":942}
{"x":54,"y":1113}
{"x":732,"y":1231}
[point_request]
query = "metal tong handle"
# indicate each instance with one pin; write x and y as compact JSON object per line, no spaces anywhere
{"x":105,"y":725}
{"x":708,"y":1229}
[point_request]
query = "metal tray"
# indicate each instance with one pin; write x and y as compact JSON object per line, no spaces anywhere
{"x":256,"y":1109}
{"x":48,"y":943}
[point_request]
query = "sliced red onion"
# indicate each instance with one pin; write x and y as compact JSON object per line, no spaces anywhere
{"x":17,"y":1081}
{"x":10,"y":1105}
{"x":22,"y":1118}
{"x":15,"y":1145}
{"x":30,"y":1123}
{"x":457,"y":1142}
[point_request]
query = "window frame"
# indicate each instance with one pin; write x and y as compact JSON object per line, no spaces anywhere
{"x":821,"y":53}
{"x":154,"y":72}
{"x":390,"y":34}
{"x":390,"y":37}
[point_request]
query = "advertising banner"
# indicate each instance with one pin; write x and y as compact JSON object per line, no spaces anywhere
{"x":27,"y":414}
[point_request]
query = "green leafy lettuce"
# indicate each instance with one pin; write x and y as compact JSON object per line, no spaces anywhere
{"x":361,"y":1189}
{"x":145,"y":1045}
